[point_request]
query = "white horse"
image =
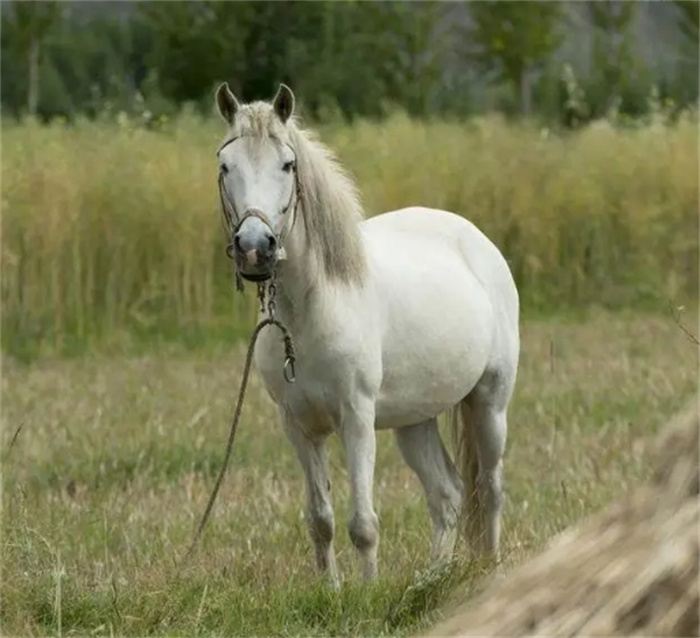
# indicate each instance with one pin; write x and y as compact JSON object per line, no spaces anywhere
{"x":396,"y":319}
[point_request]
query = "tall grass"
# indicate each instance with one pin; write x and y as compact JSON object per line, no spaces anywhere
{"x":111,"y":228}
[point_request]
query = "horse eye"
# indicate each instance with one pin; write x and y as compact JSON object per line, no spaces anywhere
{"x":288,"y":166}
{"x":224,"y":169}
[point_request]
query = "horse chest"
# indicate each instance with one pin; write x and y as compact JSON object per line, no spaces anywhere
{"x":324,"y":381}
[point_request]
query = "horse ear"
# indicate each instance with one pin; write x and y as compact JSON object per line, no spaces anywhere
{"x":284,"y":102}
{"x":227,"y":103}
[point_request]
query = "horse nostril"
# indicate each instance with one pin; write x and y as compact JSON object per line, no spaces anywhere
{"x":271,"y":243}
{"x":237,"y":243}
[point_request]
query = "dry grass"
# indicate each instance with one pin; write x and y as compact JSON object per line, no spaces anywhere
{"x":111,"y":470}
{"x":629,"y":571}
{"x":108,"y":228}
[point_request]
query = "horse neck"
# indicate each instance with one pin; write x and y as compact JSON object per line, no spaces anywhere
{"x":303,"y":283}
{"x":298,"y":280}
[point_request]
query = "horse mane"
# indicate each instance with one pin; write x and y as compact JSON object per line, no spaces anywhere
{"x":330,"y":204}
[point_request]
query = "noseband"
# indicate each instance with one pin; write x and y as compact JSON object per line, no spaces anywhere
{"x":233,"y":221}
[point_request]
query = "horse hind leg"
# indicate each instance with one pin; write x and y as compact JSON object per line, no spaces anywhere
{"x":423,"y":450}
{"x":485,"y":426}
{"x":491,"y":439}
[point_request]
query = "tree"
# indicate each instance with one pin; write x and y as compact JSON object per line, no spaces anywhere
{"x":513,"y":39}
{"x":687,"y":73}
{"x":689,"y":19}
{"x":26,"y":24}
{"x":417,"y":52}
{"x":195,"y":44}
{"x":613,"y":58}
{"x":252,"y":45}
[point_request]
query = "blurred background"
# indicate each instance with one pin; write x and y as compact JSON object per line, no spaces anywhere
{"x":566,"y":131}
{"x":348,"y":58}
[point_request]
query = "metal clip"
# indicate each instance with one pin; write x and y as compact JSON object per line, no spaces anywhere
{"x":289,"y":372}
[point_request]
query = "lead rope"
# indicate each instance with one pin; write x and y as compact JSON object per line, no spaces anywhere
{"x":289,"y":376}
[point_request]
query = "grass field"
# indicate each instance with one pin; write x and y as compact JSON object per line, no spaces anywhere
{"x":116,"y":455}
{"x":111,"y":249}
{"x":109,"y":229}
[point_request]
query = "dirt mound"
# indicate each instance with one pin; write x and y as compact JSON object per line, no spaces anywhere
{"x":630,"y":570}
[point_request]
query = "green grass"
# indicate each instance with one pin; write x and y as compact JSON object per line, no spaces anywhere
{"x":112,"y":231}
{"x":116,"y":456}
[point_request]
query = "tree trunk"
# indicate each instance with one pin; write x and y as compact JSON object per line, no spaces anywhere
{"x":33,"y":90}
{"x":525,"y":91}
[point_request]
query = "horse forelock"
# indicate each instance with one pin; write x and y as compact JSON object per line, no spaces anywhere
{"x":257,"y":120}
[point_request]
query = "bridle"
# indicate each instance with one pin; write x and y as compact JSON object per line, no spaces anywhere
{"x":233,"y":221}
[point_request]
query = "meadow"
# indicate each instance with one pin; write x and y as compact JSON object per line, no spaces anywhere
{"x":122,"y":352}
{"x":116,"y":456}
{"x":109,"y":229}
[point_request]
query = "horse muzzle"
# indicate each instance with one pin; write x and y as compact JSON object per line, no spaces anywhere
{"x":255,"y":248}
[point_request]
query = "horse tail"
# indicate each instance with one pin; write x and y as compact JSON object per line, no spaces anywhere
{"x":464,"y":438}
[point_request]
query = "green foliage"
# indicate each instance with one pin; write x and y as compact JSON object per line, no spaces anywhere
{"x":512,"y":38}
{"x":684,"y":86}
{"x":413,"y":56}
{"x":25,"y":26}
{"x":689,"y":20}
{"x":344,"y":59}
{"x":352,"y":53}
{"x":25,"y":21}
{"x":194,"y":43}
{"x":87,"y":66}
{"x":619,"y":82}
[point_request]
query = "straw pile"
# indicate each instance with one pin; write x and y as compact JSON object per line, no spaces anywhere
{"x":630,"y":570}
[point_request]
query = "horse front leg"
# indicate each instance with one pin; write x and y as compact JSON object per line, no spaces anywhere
{"x":313,"y":456}
{"x":358,"y":436}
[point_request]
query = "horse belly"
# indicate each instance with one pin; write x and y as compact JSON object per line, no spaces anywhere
{"x":426,"y":379}
{"x":438,"y":337}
